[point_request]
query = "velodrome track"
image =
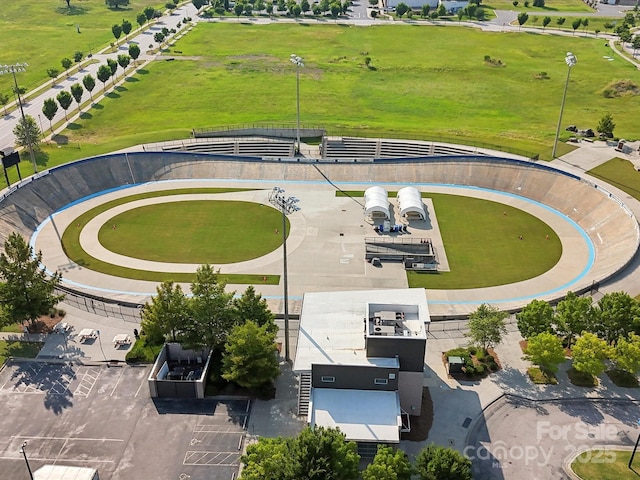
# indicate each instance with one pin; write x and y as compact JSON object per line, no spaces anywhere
{"x":599,"y":235}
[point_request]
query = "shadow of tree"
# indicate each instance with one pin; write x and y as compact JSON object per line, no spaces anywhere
{"x":51,"y":379}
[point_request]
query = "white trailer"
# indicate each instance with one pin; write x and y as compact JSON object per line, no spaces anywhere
{"x":64,"y":472}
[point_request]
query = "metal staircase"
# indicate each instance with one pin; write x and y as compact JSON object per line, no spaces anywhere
{"x":304,"y":393}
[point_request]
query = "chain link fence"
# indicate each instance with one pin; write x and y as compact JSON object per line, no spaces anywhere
{"x":129,"y":312}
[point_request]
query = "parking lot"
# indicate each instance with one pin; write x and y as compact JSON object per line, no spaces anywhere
{"x":102,"y":417}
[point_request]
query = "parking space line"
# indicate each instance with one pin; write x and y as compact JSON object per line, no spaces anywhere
{"x":117,"y":382}
{"x":88,"y":439}
{"x":220,"y":429}
{"x":212,"y":459}
{"x":87,"y":382}
{"x":144,"y":382}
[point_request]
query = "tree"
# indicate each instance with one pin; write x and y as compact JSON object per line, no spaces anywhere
{"x":52,"y":73}
{"x":4,"y":100}
{"x":64,"y":99}
{"x":238,"y":8}
{"x":401,"y":9}
{"x":141,"y":19}
{"x":126,"y":28}
{"x":606,"y":125}
{"x":536,"y":317}
{"x":27,"y":132}
{"x":324,"y":454}
{"x":315,"y":454}
{"x":134,"y":51}
{"x":104,"y":74}
{"x":78,"y":56}
{"x":546,"y":351}
{"x":585,"y":23}
{"x":116,"y":4}
{"x":49,"y":110}
{"x":440,"y":463}
{"x":27,"y":292}
{"x":212,"y":312}
{"x":304,"y":5}
{"x":76,"y":93}
{"x":116,"y":29}
{"x":574,"y":315}
{"x":167,"y":313}
{"x":471,"y":9}
{"x":589,"y":354}
{"x":113,"y":68}
{"x":486,"y":326}
{"x":442,"y":10}
{"x":538,"y":3}
{"x":388,"y":464}
{"x":522,"y":18}
{"x":248,"y":9}
{"x":89,"y":84}
{"x":626,"y":354}
{"x":158,"y":37}
{"x":123,"y":61}
{"x":249,"y":357}
{"x":424,"y":12}
{"x":68,"y":3}
{"x":546,"y":21}
{"x":576,"y":24}
{"x":251,"y":306}
{"x":198,"y":3}
{"x":635,"y":43}
{"x":149,"y":12}
{"x":66,"y":64}
{"x":618,"y":314}
{"x":561,"y":20}
{"x":336,"y":8}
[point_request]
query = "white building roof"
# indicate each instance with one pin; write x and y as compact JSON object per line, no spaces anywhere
{"x":64,"y":472}
{"x":332,"y":324}
{"x":362,"y":415}
{"x":376,"y":200}
{"x":410,"y":201}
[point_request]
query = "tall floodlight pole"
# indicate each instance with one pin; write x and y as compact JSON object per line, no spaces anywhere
{"x":21,"y":67}
{"x":23,"y":451}
{"x":286,"y":206}
{"x":297,"y":61}
{"x":571,"y":61}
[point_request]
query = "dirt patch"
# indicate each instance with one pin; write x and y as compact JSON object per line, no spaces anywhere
{"x":45,"y":324}
{"x":421,"y":424}
{"x":621,"y":88}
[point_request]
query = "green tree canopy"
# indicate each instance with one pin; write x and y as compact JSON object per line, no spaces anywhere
{"x":606,"y":125}
{"x":249,"y":357}
{"x":212,"y":312}
{"x":104,"y":74}
{"x":64,"y":99}
{"x":589,"y":354}
{"x":27,"y":132}
{"x":486,"y":326}
{"x":76,"y":93}
{"x":167,"y":313}
{"x":626,"y":354}
{"x":546,"y":351}
{"x":315,"y":454}
{"x":536,"y":317}
{"x":27,"y":292}
{"x":522,"y":18}
{"x":617,"y":315}
{"x":49,"y":109}
{"x":401,"y":9}
{"x":89,"y":84}
{"x":134,"y":51}
{"x":440,"y":463}
{"x":574,"y":315}
{"x":251,"y":306}
{"x":388,"y":464}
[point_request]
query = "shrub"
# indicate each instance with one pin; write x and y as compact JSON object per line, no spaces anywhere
{"x":61,"y":313}
{"x":526,"y":4}
{"x":143,"y":351}
{"x":479,"y":369}
{"x":481,"y":355}
{"x":493,"y":366}
{"x":470,"y":371}
{"x":473,"y":350}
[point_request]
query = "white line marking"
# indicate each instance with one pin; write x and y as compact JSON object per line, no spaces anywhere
{"x":70,"y":438}
{"x":144,"y":381}
{"x":116,"y":385}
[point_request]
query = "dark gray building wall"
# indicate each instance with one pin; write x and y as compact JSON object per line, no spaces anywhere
{"x":357,"y":377}
{"x":410,"y":351}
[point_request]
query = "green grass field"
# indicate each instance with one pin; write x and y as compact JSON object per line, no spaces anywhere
{"x":483,"y":245}
{"x":551,"y":6}
{"x":44,"y":32}
{"x":18,"y":349}
{"x":72,"y":248}
{"x":449,"y":92}
{"x":198,"y":231}
{"x":595,"y":23}
{"x":605,"y":465}
{"x":621,"y":174}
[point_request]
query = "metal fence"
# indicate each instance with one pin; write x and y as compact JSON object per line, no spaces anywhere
{"x":129,"y":312}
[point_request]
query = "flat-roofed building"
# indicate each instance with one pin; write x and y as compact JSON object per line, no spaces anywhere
{"x":363,"y":353}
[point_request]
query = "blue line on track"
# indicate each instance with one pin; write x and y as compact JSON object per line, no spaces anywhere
{"x":562,"y":288}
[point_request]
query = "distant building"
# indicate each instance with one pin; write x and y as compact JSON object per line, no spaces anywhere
{"x":453,"y":6}
{"x":390,"y":5}
{"x":363,"y":353}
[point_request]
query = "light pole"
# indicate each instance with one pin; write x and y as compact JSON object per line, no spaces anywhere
{"x":571,"y":61}
{"x":21,"y":67}
{"x":297,"y":61}
{"x":23,"y":451}
{"x":286,"y":206}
